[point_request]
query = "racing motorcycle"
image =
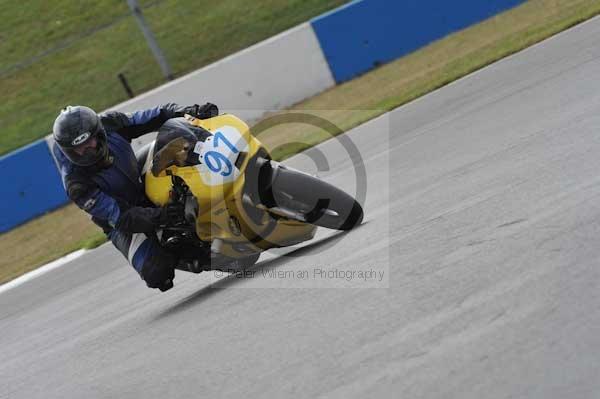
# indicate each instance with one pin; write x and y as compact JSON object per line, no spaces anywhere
{"x":237,"y":201}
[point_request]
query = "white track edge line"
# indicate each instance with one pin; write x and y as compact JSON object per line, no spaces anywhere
{"x":55,"y":264}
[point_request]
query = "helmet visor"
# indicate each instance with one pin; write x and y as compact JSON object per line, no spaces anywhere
{"x":87,"y":149}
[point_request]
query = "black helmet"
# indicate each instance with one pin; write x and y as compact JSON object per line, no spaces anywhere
{"x":80,"y":135}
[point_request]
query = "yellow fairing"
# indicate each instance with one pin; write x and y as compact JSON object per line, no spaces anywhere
{"x":222,"y":215}
{"x":157,"y":188}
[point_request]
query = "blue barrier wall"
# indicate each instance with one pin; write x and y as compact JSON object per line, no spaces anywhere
{"x":366,"y":33}
{"x":30,"y":185}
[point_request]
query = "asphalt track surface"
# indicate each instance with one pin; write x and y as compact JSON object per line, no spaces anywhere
{"x":483,"y":212}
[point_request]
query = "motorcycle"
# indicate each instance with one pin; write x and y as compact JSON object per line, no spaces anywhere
{"x":238,"y":202}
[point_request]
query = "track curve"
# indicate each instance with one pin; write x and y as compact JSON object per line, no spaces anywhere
{"x":483,"y":208}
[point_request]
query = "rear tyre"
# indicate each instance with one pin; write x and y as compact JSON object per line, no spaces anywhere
{"x":232,"y":265}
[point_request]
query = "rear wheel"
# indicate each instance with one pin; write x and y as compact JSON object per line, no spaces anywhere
{"x":315,"y":201}
{"x":234,"y":265}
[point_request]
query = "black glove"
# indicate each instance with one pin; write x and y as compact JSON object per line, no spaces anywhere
{"x":205,"y":111}
{"x":171,"y":214}
{"x":139,"y":220}
{"x":146,"y":220}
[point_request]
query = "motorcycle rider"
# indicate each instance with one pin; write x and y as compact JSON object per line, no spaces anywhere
{"x":100,"y":174}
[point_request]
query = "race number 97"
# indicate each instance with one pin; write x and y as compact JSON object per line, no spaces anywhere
{"x":218,"y":161}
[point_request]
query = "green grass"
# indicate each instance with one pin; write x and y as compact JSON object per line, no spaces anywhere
{"x":432,"y":67}
{"x":191,"y":34}
{"x":376,"y":92}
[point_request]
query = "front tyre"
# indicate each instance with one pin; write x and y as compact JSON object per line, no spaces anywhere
{"x":316,"y":201}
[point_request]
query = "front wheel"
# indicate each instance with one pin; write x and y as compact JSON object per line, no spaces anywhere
{"x":313,"y":200}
